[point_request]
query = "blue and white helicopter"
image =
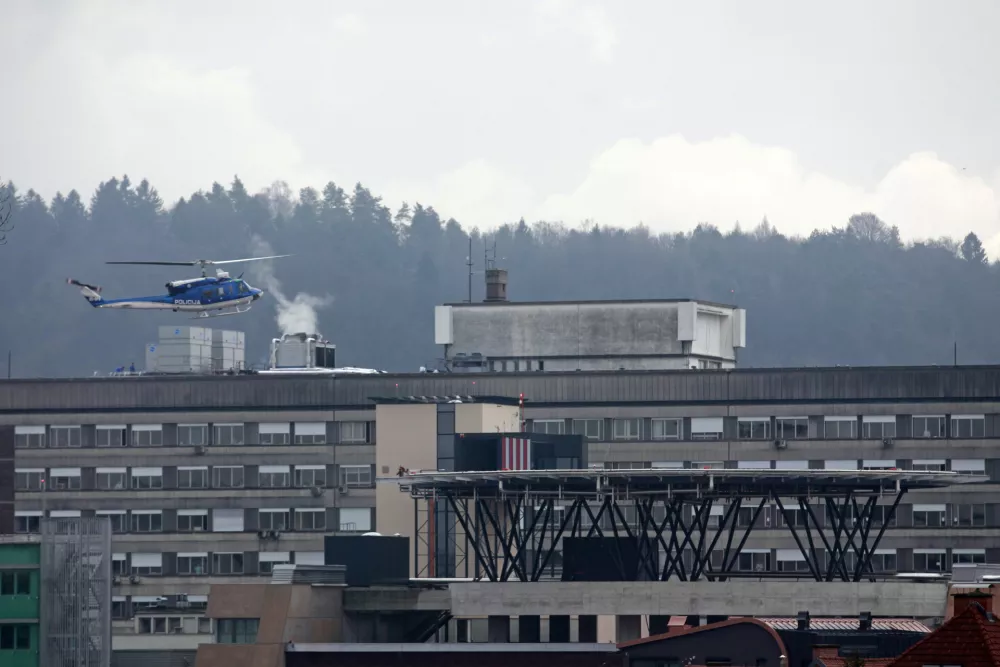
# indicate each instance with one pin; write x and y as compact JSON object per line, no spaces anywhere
{"x":194,"y":295}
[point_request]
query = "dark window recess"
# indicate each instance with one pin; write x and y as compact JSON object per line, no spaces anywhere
{"x":15,"y":637}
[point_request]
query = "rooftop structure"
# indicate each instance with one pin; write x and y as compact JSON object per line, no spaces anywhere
{"x":655,"y":334}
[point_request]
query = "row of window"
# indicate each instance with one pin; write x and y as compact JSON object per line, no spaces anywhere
{"x":767,"y":428}
{"x":351,"y":519}
{"x":190,"y":435}
{"x":220,"y":563}
{"x":191,"y":477}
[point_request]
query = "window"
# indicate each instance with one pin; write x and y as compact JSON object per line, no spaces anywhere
{"x":929,"y":516}
{"x":877,"y":428}
{"x":310,"y":519}
{"x":274,"y":519}
{"x":968,"y":426}
{"x":15,"y":583}
{"x":354,"y":432}
{"x":840,"y":428}
{"x":969,"y":466}
{"x":228,"y":434}
{"x":27,"y":522}
{"x":192,"y":521}
{"x":147,"y":564}
{"x":147,"y":521}
{"x":310,"y":433}
{"x":753,"y":561}
{"x":884,"y":560}
{"x":29,"y":479}
{"x":841,"y":464}
{"x":796,"y":515}
{"x":236,"y":630}
{"x":147,"y":435}
{"x":29,"y":437}
{"x":929,"y":560}
{"x":268,"y":559}
{"x":65,"y":436}
{"x":591,"y":429}
{"x":15,"y":637}
{"x":753,"y":429}
{"x":708,"y":465}
{"x":118,"y":519}
{"x":159,"y":625}
{"x":192,"y":477}
{"x":227,"y":563}
{"x":147,"y":478}
{"x":666,"y":429}
{"x":273,"y":477}
{"x":626,"y":429}
{"x":967,"y":516}
{"x":227,"y":521}
{"x":552,"y":426}
{"x":928,"y":465}
{"x":227,"y":477}
{"x":355,"y":519}
{"x":929,"y":427}
{"x":112,"y":479}
{"x":791,"y":560}
{"x":274,"y":433}
{"x":64,"y":479}
{"x":878,"y":464}
{"x":119,"y":608}
{"x":706,"y":428}
{"x":791,"y":428}
{"x":111,"y":436}
{"x":192,"y":563}
{"x":968,"y":556}
{"x":356,"y":476}
{"x":306,"y":476}
{"x":880,"y":513}
{"x":192,"y":435}
{"x":119,"y":564}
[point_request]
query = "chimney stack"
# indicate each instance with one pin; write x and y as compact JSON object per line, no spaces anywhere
{"x":803,"y":619}
{"x":984,"y":598}
{"x":496,"y":285}
{"x":865,"y":622}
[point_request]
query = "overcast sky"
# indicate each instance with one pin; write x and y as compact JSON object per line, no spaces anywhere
{"x":670,"y":113}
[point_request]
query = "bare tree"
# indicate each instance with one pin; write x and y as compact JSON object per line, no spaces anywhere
{"x":6,"y":213}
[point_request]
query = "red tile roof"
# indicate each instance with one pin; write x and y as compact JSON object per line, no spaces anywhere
{"x":828,"y":656}
{"x":970,"y":639}
{"x":898,"y":624}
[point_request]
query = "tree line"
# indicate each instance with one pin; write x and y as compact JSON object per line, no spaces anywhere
{"x":851,"y":295}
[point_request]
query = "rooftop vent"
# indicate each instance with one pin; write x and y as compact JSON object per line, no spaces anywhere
{"x":803,"y":620}
{"x":496,"y":285}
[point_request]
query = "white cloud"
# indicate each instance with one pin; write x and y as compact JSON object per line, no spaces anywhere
{"x":590,"y":22}
{"x":672,"y":184}
{"x":351,"y":24}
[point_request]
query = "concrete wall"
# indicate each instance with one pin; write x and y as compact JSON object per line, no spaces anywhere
{"x":590,"y":335}
{"x":407,"y":436}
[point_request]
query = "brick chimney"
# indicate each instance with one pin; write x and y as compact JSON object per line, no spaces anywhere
{"x":964,"y":600}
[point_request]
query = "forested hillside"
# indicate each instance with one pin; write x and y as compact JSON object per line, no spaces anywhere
{"x":853,"y":295}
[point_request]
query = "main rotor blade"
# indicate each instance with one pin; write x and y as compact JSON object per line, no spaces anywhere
{"x":202,"y":262}
{"x":159,"y":263}
{"x":247,"y":259}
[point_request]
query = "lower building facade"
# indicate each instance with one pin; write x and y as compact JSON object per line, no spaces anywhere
{"x":209,"y":480}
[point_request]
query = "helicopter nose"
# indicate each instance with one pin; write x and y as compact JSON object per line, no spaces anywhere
{"x":257,"y":293}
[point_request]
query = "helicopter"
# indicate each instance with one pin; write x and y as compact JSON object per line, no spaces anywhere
{"x":202,"y":295}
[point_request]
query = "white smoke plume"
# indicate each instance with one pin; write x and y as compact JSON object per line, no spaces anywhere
{"x":295,"y":315}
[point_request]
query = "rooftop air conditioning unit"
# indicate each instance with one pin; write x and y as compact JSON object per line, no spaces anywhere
{"x":781,"y":444}
{"x":200,"y":449}
{"x":316,"y":491}
{"x":888,"y":442}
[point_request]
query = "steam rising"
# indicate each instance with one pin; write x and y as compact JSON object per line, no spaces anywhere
{"x":296,"y":315}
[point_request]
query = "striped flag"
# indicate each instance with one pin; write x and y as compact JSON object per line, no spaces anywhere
{"x":516,"y":454}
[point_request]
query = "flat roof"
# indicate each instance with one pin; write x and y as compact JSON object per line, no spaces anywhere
{"x":470,"y":647}
{"x":715,"y":482}
{"x":593,"y":302}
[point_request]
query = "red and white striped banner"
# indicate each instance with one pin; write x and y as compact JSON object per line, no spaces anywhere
{"x":516,"y":454}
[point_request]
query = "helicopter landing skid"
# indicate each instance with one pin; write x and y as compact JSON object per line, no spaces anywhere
{"x":236,"y":311}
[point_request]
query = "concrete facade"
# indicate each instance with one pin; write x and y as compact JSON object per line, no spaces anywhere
{"x":135,"y":446}
{"x":590,"y":335}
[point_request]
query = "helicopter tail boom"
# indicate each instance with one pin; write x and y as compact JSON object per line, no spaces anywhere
{"x":90,"y":292}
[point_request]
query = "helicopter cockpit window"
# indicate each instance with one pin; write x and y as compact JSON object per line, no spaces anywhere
{"x":243,"y":288}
